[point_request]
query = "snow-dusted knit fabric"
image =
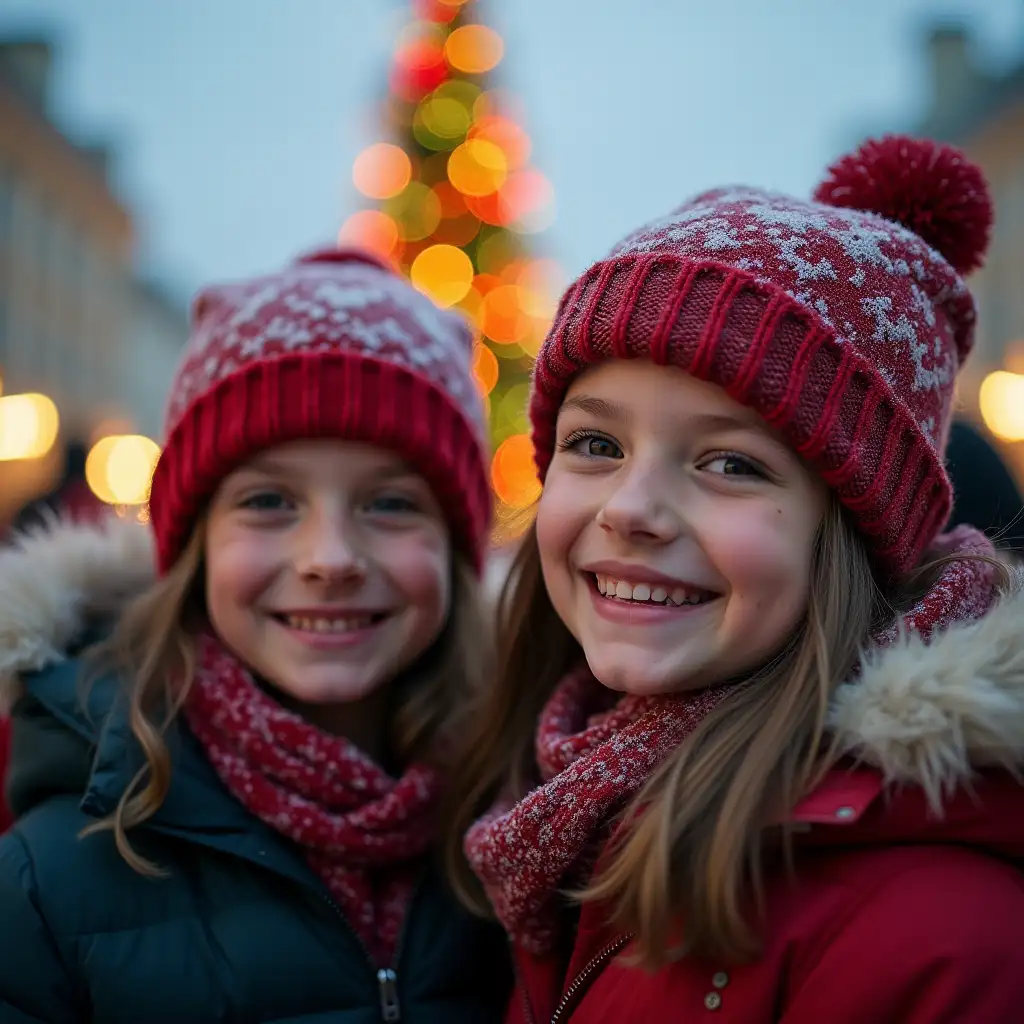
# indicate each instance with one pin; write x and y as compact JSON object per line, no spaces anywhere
{"x":842,"y":328}
{"x":592,"y":760}
{"x":335,"y":345}
{"x":965,"y":588}
{"x":362,"y":830}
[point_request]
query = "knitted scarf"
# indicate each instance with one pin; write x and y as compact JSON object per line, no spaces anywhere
{"x":361,"y":829}
{"x":592,"y":760}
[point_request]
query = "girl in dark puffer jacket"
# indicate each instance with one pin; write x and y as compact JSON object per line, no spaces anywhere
{"x":227,"y":807}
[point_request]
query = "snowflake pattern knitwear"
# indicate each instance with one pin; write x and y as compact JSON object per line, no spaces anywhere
{"x":842,"y":326}
{"x":592,"y":760}
{"x":336,"y":345}
{"x":361,"y":829}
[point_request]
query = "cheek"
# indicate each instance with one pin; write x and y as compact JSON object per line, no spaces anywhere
{"x":764,"y":557}
{"x":561,"y":514}
{"x":421,"y":568}
{"x":238,"y":567}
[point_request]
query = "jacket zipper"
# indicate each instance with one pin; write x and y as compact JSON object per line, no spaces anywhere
{"x":387,"y":977}
{"x":525,"y":999}
{"x":582,"y":980}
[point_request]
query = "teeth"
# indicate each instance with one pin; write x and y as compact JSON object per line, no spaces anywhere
{"x":320,"y":625}
{"x":623,"y":591}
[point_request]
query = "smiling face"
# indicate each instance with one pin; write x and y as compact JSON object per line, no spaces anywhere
{"x":675,"y":529}
{"x":328,"y":568}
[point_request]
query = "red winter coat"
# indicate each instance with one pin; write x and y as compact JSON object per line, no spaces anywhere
{"x":897,"y":916}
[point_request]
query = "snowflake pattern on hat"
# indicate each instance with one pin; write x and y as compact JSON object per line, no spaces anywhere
{"x":871,"y":281}
{"x":319,"y":308}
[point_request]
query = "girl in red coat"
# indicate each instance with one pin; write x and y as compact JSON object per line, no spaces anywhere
{"x":753,"y":753}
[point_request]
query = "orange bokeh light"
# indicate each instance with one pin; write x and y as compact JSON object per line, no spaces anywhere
{"x":458,"y":231}
{"x":501,"y":315}
{"x":524,"y":202}
{"x":443,"y":272}
{"x":477,"y":168}
{"x":382,"y":170}
{"x":483,"y":283}
{"x":541,"y":282}
{"x":372,"y":230}
{"x":485,"y":368}
{"x":506,"y":135}
{"x":513,"y":474}
{"x":453,"y":203}
{"x":474,"y":49}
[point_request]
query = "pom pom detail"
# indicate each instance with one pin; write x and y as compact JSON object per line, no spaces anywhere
{"x":344,"y":254}
{"x":932,"y":189}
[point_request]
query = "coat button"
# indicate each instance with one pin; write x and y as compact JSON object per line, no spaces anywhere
{"x":845,"y":813}
{"x":712,"y":1000}
{"x":720,"y":980}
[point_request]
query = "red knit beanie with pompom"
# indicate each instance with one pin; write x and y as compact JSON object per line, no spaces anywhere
{"x":843,"y":322}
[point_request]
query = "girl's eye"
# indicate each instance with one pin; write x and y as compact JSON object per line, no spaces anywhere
{"x":733,"y":465}
{"x":591,"y":445}
{"x":265,"y":501}
{"x":393,"y":503}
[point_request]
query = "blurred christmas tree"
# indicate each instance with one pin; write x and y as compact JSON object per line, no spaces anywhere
{"x":457,"y":206}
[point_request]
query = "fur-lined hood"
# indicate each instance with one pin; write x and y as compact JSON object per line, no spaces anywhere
{"x":922,"y":714}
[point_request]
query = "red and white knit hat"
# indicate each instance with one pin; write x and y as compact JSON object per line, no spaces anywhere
{"x":336,"y":345}
{"x":843,"y":322}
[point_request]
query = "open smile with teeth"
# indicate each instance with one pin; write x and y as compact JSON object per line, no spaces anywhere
{"x":620,"y":590}
{"x":340,"y":624}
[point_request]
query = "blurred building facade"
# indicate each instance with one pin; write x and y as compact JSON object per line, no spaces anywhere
{"x":983,"y":113}
{"x":76,"y":324}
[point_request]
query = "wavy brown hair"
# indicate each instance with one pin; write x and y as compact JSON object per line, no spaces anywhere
{"x":703,"y":828}
{"x":153,"y":645}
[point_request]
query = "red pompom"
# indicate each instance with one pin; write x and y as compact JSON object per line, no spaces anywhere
{"x":932,"y":189}
{"x":344,"y":254}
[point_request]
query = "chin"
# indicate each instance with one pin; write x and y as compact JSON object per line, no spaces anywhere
{"x":329,"y":691}
{"x":642,"y":675}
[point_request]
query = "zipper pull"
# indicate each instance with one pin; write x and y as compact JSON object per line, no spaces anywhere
{"x":387,"y":980}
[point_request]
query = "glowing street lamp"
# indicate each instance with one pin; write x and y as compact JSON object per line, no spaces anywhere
{"x":119,"y":469}
{"x":28,"y":426}
{"x":1001,"y":399}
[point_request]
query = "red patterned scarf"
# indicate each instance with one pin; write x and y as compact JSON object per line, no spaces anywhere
{"x":592,"y":760}
{"x":360,"y":828}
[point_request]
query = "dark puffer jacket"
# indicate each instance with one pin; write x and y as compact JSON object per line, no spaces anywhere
{"x":239,"y":929}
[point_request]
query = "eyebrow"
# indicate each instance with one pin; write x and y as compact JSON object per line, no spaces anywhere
{"x":597,"y":407}
{"x":705,"y":421}
{"x":613,"y":411}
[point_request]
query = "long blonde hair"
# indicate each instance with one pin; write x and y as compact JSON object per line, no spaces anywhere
{"x":153,"y":647}
{"x":701,"y":829}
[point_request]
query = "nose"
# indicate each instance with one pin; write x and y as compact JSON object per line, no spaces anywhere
{"x":328,"y":549}
{"x":639,"y":509}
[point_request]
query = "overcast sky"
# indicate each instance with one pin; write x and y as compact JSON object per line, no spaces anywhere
{"x":236,"y":121}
